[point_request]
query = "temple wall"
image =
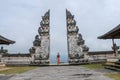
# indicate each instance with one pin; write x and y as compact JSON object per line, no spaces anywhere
{"x":16,"y":60}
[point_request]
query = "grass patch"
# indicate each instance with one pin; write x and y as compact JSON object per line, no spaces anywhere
{"x":93,"y":66}
{"x":114,"y":76}
{"x":17,"y":70}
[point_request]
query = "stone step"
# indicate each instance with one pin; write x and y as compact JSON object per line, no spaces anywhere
{"x":112,"y":68}
{"x":112,"y":65}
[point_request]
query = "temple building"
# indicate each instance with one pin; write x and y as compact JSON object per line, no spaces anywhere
{"x":12,"y":59}
{"x":113,"y":34}
{"x":114,"y":54}
{"x":113,"y":63}
{"x":4,"y":41}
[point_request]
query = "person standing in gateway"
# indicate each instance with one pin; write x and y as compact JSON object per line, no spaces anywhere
{"x":58,"y":58}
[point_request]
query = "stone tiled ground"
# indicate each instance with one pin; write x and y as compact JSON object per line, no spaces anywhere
{"x":60,"y":73}
{"x":5,"y":77}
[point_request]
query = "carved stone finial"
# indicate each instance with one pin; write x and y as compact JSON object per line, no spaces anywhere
{"x":46,"y":15}
{"x":71,"y":23}
{"x":44,"y":24}
{"x":69,"y":15}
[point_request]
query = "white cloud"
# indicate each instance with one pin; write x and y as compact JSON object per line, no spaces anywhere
{"x":19,"y":21}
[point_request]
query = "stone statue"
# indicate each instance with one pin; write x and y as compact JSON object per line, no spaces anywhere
{"x":3,"y":51}
{"x":37,"y":37}
{"x":37,"y":41}
{"x":32,"y":50}
{"x":77,"y":29}
{"x":41,"y":23}
{"x":80,"y":39}
{"x":115,"y":49}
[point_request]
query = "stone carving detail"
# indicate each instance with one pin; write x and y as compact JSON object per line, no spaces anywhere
{"x":80,"y":40}
{"x":41,"y":45}
{"x":76,"y":47}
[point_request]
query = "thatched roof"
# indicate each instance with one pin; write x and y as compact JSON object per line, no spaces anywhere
{"x":112,"y":34}
{"x":6,"y":41}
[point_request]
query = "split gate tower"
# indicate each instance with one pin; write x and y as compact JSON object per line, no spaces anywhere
{"x":41,"y":45}
{"x":75,"y":42}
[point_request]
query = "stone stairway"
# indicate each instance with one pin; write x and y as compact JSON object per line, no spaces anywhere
{"x":113,"y":65}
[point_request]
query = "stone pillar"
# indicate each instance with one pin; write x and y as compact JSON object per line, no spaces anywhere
{"x":74,"y":40}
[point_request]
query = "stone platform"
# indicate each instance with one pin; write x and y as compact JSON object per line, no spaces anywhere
{"x":113,"y":66}
{"x":60,"y":73}
{"x":61,"y":64}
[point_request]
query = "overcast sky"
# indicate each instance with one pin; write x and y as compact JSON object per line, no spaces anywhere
{"x":19,"y":21}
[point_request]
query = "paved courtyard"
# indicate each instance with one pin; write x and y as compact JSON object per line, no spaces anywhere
{"x":60,"y":73}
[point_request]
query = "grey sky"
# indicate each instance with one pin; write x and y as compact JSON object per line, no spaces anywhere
{"x":19,"y":21}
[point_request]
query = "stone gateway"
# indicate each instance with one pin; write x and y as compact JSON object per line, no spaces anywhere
{"x":41,"y":45}
{"x":76,"y":47}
